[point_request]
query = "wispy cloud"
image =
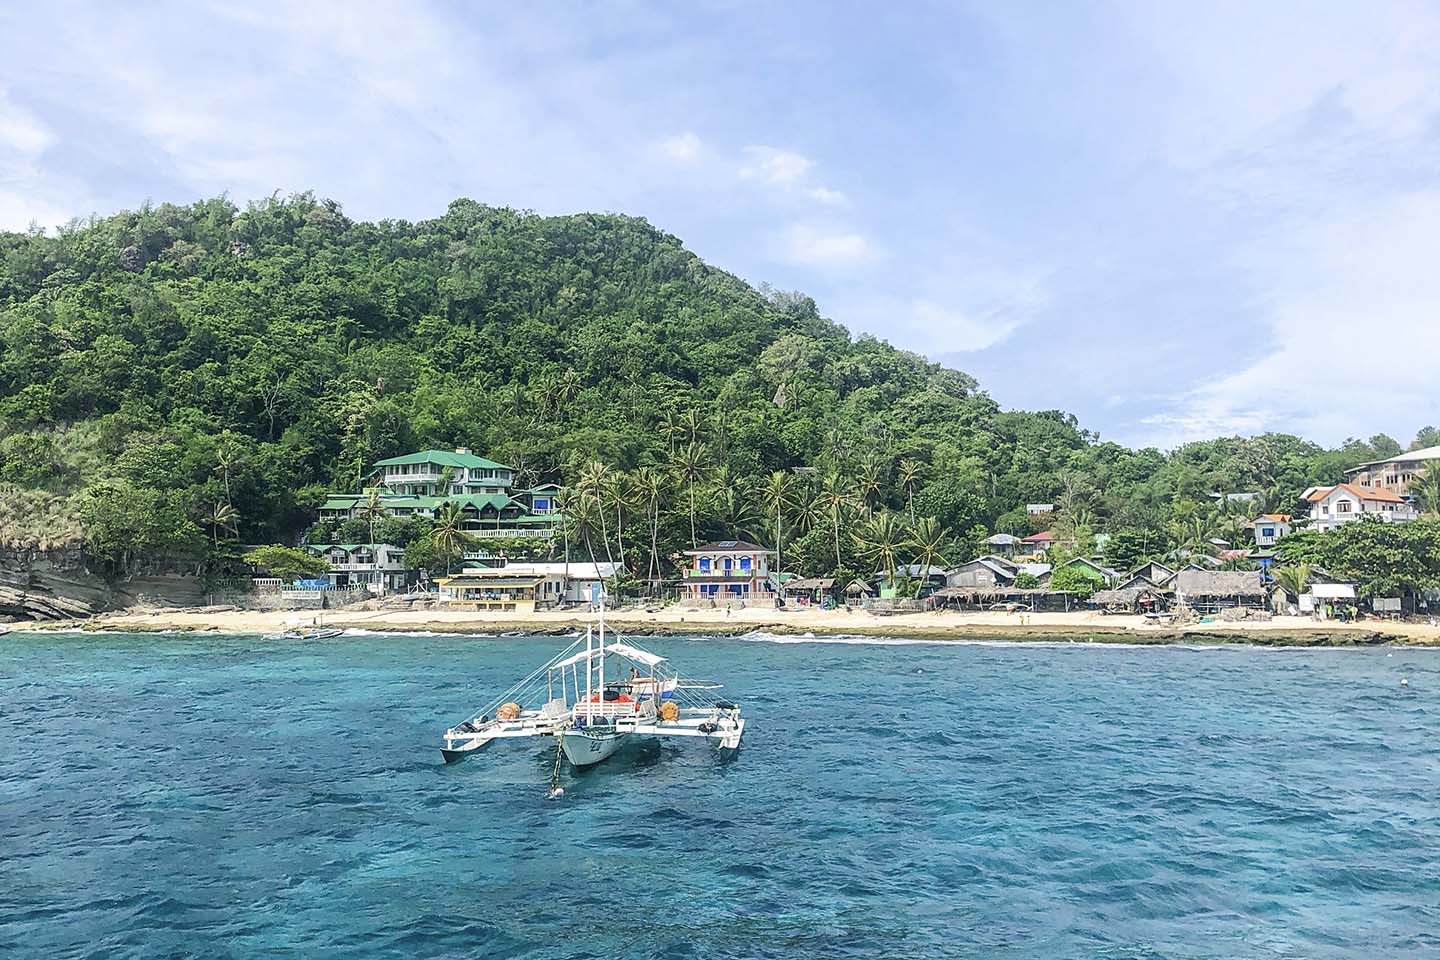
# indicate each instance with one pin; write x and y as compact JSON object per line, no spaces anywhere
{"x":813,"y":246}
{"x":825,"y":195}
{"x":1352,"y":336}
{"x":22,"y":135}
{"x":773,"y":165}
{"x":960,"y":331}
{"x":684,"y":149}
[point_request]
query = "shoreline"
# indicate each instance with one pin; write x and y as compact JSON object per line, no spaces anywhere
{"x":1086,"y":626}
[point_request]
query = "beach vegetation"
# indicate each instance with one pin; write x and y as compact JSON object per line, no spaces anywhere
{"x":162,"y":362}
{"x":287,"y":563}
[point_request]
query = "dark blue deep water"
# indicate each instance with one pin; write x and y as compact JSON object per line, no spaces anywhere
{"x":168,"y":796}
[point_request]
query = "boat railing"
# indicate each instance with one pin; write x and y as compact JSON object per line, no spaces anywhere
{"x":644,"y":709}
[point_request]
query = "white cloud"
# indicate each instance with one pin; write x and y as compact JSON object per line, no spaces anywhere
{"x":683,"y":148}
{"x":1354,"y":332}
{"x":950,"y":329}
{"x":1232,"y":73}
{"x":21,"y":134}
{"x":816,"y":247}
{"x":825,"y":195}
{"x":773,"y":165}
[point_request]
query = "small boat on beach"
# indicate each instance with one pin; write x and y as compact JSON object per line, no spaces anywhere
{"x":595,"y":695}
{"x":306,"y":633}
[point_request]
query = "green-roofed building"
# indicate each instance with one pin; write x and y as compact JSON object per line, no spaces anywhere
{"x":420,"y":484}
{"x":424,"y":474}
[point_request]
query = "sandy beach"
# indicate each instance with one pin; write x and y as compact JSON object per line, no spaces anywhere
{"x":681,"y":620}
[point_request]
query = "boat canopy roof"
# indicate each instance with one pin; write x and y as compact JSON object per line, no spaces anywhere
{"x":622,"y":649}
{"x":634,"y":653}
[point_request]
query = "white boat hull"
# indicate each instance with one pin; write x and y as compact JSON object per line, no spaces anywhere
{"x":585,"y":748}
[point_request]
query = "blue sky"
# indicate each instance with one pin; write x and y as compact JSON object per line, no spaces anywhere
{"x":1175,"y":220}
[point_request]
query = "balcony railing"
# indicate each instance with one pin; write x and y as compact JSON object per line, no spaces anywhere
{"x":732,"y":574}
{"x":543,"y":533}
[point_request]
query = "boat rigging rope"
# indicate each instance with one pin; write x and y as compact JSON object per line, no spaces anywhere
{"x":556,"y":792}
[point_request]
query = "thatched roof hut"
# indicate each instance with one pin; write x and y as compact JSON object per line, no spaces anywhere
{"x":1219,"y":588}
{"x":1219,"y":583}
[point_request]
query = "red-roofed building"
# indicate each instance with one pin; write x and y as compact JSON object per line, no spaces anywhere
{"x":1396,"y":474}
{"x":1332,"y":506}
{"x":1042,"y":541}
{"x":1270,"y":528}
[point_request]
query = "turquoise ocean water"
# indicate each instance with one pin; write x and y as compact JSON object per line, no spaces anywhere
{"x":184,"y":796}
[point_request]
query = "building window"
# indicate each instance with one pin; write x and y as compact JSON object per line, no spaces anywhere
{"x":745,"y":564}
{"x":1342,"y":506}
{"x":704,"y":564}
{"x":1267,"y":531}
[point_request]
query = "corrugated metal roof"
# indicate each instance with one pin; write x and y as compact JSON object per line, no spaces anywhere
{"x":445,"y":458}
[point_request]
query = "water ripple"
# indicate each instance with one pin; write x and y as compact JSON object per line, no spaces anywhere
{"x":221,"y":797}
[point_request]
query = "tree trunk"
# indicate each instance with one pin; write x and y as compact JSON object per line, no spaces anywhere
{"x":620,"y":532}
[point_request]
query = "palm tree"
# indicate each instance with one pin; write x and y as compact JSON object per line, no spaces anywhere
{"x":222,"y":516}
{"x":835,"y":497}
{"x":593,"y":480}
{"x":448,"y":534}
{"x":650,"y":492}
{"x":1426,"y":491}
{"x":693,"y":424}
{"x":564,"y":505}
{"x":582,"y":514}
{"x":880,"y":540}
{"x":928,"y":540}
{"x":619,"y":489}
{"x":909,"y":476}
{"x":872,"y":479}
{"x":776,"y":495}
{"x":690,"y":468}
{"x":735,"y":503}
{"x":1193,"y":536}
{"x":445,"y":480}
{"x":226,"y":457}
{"x":370,"y":509}
{"x":1293,"y":580}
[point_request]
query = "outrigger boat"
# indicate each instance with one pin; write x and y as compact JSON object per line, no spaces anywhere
{"x":593,"y":696}
{"x":305,"y":633}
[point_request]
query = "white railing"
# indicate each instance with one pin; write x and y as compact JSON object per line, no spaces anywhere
{"x":615,"y":708}
{"x":545,"y":533}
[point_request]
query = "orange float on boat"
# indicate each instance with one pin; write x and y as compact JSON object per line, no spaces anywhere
{"x":508,"y":711}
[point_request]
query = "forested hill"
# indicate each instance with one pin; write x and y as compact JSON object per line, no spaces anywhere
{"x":177,"y":357}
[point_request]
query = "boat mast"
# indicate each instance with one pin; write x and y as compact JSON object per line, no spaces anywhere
{"x":589,"y":634}
{"x":602,"y":652}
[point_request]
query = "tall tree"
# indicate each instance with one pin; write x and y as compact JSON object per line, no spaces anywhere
{"x":372,"y":510}
{"x":222,"y":516}
{"x":909,"y":476}
{"x":448,"y":535}
{"x":593,"y":482}
{"x":777,"y":497}
{"x":928,"y":541}
{"x":880,"y":539}
{"x":650,"y":489}
{"x":690,"y":470}
{"x":835,"y":498}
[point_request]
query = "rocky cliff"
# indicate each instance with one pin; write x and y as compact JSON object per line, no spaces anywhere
{"x":50,"y":585}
